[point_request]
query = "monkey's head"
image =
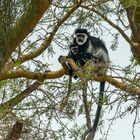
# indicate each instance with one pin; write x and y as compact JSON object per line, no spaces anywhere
{"x":81,"y":36}
{"x":74,"y":48}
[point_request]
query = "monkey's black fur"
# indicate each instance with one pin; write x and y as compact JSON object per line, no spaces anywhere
{"x":99,"y":107}
{"x":79,"y":56}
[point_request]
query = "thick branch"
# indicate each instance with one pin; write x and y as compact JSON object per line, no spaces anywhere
{"x":57,"y":74}
{"x":47,"y":42}
{"x":124,"y":87}
{"x":83,"y":73}
{"x":25,"y":25}
{"x":85,"y":102}
{"x":133,"y":14}
{"x":32,"y":75}
{"x":6,"y":106}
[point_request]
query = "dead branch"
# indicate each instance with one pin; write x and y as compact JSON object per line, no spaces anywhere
{"x":15,"y":133}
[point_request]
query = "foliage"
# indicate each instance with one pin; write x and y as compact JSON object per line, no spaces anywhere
{"x":37,"y":54}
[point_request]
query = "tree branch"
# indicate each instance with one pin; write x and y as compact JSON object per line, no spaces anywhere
{"x":15,"y":132}
{"x":85,"y":102}
{"x":25,"y":25}
{"x":47,"y":42}
{"x":6,"y":106}
{"x":110,"y":23}
{"x":128,"y":88}
{"x":88,"y":69}
{"x":32,"y":75}
{"x":57,"y":74}
{"x":133,"y":14}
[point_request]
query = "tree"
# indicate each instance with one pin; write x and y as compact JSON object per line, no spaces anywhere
{"x":31,"y":33}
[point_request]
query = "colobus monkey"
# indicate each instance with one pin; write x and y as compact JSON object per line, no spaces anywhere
{"x":78,"y":55}
{"x":86,"y":47}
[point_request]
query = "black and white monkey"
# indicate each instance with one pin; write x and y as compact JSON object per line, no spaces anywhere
{"x":86,"y":47}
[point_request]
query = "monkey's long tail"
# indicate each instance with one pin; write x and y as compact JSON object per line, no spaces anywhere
{"x":98,"y":111}
{"x":90,"y":134}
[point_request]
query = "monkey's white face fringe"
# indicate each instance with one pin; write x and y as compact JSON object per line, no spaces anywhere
{"x":81,"y":38}
{"x":74,"y":50}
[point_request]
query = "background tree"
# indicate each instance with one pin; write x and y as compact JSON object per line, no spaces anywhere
{"x":33,"y":33}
